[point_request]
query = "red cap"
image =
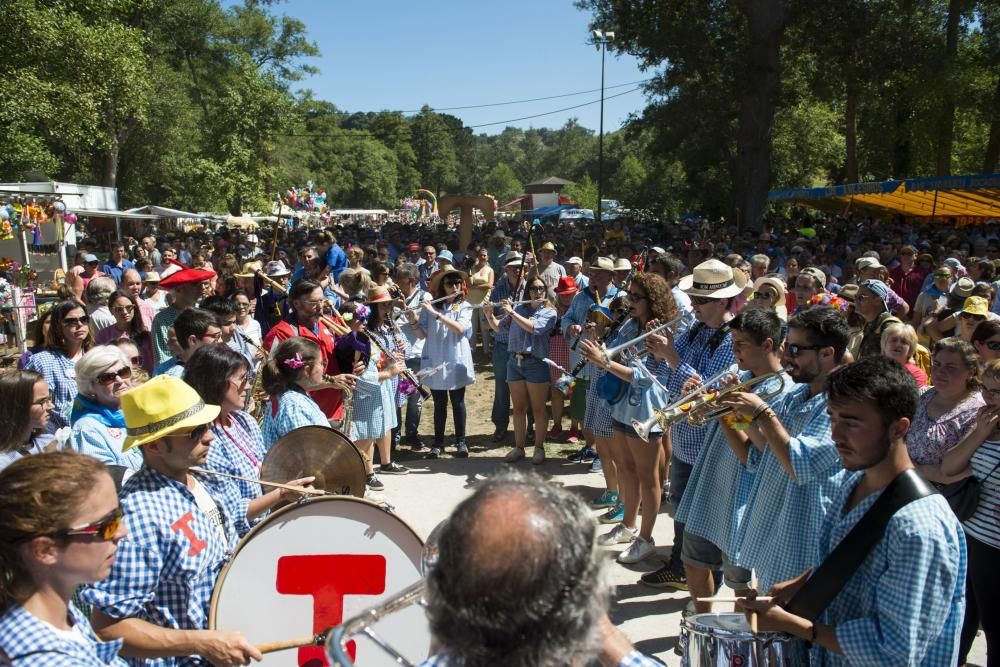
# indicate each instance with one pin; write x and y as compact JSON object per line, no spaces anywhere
{"x":567,"y":286}
{"x":186,"y":277}
{"x":413,"y":246}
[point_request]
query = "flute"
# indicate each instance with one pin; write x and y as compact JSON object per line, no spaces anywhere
{"x":496,"y":304}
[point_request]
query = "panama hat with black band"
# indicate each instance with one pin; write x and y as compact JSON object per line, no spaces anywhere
{"x":713,"y":279}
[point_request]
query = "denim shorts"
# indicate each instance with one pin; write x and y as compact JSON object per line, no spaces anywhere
{"x":529,"y":369}
{"x":699,"y":552}
{"x":631,"y":432}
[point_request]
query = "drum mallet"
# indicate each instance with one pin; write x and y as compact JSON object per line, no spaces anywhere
{"x":312,"y":640}
{"x":289,"y":487}
{"x":753,"y":614}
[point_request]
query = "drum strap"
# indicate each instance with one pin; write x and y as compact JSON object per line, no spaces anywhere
{"x":843,"y":562}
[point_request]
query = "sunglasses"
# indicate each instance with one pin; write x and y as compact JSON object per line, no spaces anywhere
{"x":702,"y":300}
{"x":942,"y":275}
{"x":243,"y":306}
{"x":104,"y":528}
{"x":971,"y":316}
{"x":125,"y":372}
{"x":763,"y":295}
{"x":796,"y":350}
{"x":124,"y":309}
{"x":993,"y":345}
{"x":75,"y":321}
{"x":193,"y":435}
{"x":453,"y":283}
{"x":537,"y":288}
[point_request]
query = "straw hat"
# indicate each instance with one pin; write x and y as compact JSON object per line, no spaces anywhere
{"x":276,"y":269}
{"x":773,"y":283}
{"x":440,"y":275}
{"x":163,"y":405}
{"x":378,"y":294}
{"x":714,"y":280}
{"x":513,"y":257}
{"x":151,"y":277}
{"x":603,"y":264}
{"x":249,"y":270}
{"x":575,"y":260}
{"x":547,"y":246}
{"x":622,"y":264}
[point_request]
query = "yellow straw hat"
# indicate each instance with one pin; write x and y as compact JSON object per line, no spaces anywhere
{"x":162,"y":406}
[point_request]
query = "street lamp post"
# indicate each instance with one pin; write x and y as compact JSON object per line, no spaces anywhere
{"x":602,"y":38}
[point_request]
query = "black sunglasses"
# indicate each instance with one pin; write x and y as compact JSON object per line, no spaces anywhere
{"x":702,"y":300}
{"x":104,"y":528}
{"x":125,"y":372}
{"x":796,"y":350}
{"x":194,"y":434}
{"x":73,"y":321}
{"x":972,"y":316}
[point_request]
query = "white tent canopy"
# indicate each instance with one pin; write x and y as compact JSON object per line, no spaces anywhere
{"x":164,"y":212}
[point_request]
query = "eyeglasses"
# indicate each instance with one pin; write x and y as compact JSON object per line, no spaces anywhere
{"x":104,"y":528}
{"x":42,"y":402}
{"x":313,"y":302}
{"x":796,"y":350}
{"x":125,"y":372}
{"x":635,"y":296}
{"x":194,"y":434}
{"x":993,"y":345}
{"x":763,"y":295}
{"x":76,"y":321}
{"x":537,"y":288}
{"x":973,"y":316}
{"x":136,"y":361}
{"x":702,"y":300}
{"x":217,"y":336}
{"x":121,"y":310}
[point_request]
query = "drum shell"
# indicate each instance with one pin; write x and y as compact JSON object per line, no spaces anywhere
{"x":707,"y":643}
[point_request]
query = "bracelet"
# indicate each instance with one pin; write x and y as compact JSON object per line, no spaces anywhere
{"x":762,"y":409}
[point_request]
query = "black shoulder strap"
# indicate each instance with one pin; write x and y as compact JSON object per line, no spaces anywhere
{"x":831,"y":576}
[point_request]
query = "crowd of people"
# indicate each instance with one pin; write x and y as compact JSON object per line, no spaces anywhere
{"x":763,"y":387}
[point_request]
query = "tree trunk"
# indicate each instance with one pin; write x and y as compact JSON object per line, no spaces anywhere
{"x":993,"y":145}
{"x":751,"y":168}
{"x":946,"y":119}
{"x":851,"y":132}
{"x":109,"y":176}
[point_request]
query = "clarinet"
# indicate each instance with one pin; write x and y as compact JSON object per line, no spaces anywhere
{"x":407,"y":373}
{"x":605,"y":337}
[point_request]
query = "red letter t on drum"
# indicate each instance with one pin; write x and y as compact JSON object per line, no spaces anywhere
{"x":328,"y":578}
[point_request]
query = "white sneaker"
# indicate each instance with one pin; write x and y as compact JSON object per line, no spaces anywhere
{"x":514,"y":455}
{"x":539,"y":456}
{"x":639,"y":550}
{"x":620,"y":534}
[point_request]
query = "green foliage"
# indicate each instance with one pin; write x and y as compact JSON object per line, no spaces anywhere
{"x":583,"y":193}
{"x":502,"y":183}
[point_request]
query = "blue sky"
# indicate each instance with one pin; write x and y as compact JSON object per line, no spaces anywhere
{"x":395,"y":55}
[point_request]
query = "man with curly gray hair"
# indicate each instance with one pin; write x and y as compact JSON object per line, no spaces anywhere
{"x":519,"y":582}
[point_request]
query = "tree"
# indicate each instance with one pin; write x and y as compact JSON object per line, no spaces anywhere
{"x":502,"y":183}
{"x":583,"y":193}
{"x":628,"y":181}
{"x":435,"y":151}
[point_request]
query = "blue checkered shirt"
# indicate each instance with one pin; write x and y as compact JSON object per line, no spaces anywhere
{"x":502,"y":290}
{"x":370,"y":412}
{"x":783,"y":518}
{"x":238,"y":449}
{"x":59,"y":372}
{"x":696,"y":357}
{"x":631,"y":659}
{"x":905,"y":604}
{"x":161,"y":322}
{"x":104,"y":443}
{"x":287,"y":412}
{"x":29,"y":642}
{"x":579,"y":309}
{"x":167,"y":565}
{"x":714,"y":501}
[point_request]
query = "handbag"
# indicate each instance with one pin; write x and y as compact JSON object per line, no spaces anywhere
{"x":963,"y":495}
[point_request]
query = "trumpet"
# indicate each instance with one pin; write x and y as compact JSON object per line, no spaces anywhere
{"x":336,"y":327}
{"x":336,"y":640}
{"x":698,"y":410}
{"x":673,"y":325}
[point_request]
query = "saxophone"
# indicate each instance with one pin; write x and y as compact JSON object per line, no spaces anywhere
{"x":348,"y":394}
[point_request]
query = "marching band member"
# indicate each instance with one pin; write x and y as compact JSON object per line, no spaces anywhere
{"x":103,"y":375}
{"x":181,"y":527}
{"x":637,"y":463}
{"x":295,"y":367}
{"x":797,"y":468}
{"x":530,"y":325}
{"x":695,"y":355}
{"x":718,"y":490}
{"x":565,"y":291}
{"x":446,"y":329}
{"x":221,"y":377}
{"x":903,"y":604}
{"x":408,"y":278}
{"x":69,"y":337}
{"x":505,"y":289}
{"x":306,"y":299}
{"x":374,"y":411}
{"x":24,"y":415}
{"x":271,"y":302}
{"x":60,"y":525}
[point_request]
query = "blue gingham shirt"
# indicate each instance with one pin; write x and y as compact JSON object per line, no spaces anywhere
{"x":630,"y":659}
{"x":161,"y":322}
{"x":369,"y":418}
{"x":29,"y":642}
{"x":59,"y":372}
{"x":783,"y":519}
{"x":905,"y":604}
{"x":535,"y":343}
{"x":696,"y":357}
{"x":167,"y":565}
{"x":717,"y":492}
{"x":287,"y":412}
{"x":579,"y":309}
{"x":104,"y":443}
{"x":502,"y":290}
{"x":238,"y":449}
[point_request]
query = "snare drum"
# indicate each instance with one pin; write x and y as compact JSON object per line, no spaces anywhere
{"x":311,"y":565}
{"x":725,"y":640}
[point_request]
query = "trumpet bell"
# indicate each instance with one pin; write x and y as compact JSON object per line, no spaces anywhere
{"x":644,"y":428}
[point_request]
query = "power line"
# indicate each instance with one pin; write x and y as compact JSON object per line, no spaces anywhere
{"x":362,"y":134}
{"x":533,"y":99}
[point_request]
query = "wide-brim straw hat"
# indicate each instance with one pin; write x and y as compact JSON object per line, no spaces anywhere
{"x":151,"y":277}
{"x":378,"y":294}
{"x":438,"y":276}
{"x":773,"y":283}
{"x":162,"y":406}
{"x":603,"y":264}
{"x":713,"y":280}
{"x":622,"y":264}
{"x":548,"y":245}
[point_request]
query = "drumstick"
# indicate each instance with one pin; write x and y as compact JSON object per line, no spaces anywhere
{"x":733,"y":598}
{"x":312,"y":640}
{"x":290,"y":487}
{"x":753,"y":614}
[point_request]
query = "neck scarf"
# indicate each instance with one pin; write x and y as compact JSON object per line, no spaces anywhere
{"x":110,"y":417}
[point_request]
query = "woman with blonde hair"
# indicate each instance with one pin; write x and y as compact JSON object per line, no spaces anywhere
{"x":899,"y":342}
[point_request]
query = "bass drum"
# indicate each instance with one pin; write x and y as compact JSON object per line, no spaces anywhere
{"x":311,"y":565}
{"x":320,"y":452}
